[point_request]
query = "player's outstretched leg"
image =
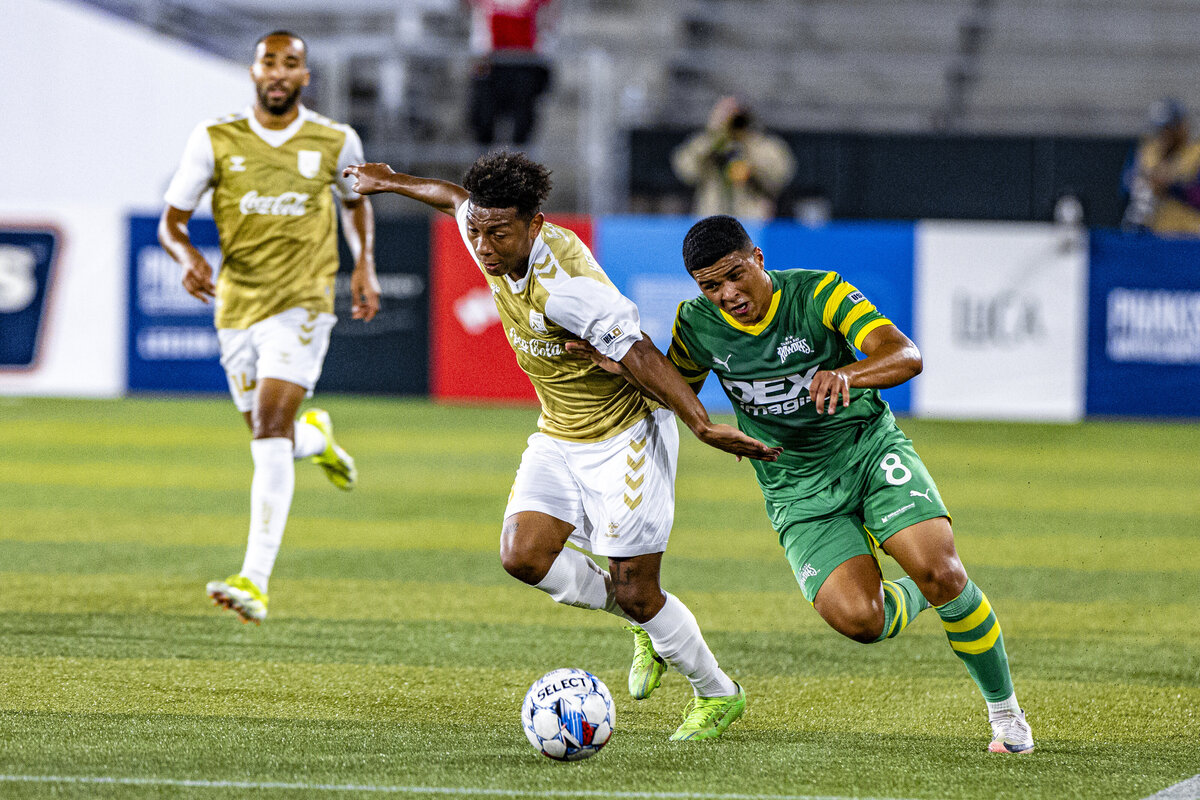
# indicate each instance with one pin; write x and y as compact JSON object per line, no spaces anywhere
{"x":646,"y":671}
{"x":676,"y":637}
{"x":974,"y":634}
{"x":337,"y":463}
{"x":240,"y":595}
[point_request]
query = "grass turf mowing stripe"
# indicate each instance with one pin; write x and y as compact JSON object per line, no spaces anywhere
{"x":411,"y":790}
{"x":1061,"y":711}
{"x":534,"y":645}
{"x":467,"y":595}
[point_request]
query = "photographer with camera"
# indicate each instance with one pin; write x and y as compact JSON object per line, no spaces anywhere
{"x":736,"y":168}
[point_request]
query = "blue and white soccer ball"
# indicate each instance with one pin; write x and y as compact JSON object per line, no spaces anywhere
{"x":568,"y":714}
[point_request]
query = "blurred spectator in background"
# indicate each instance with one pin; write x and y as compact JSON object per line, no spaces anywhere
{"x":736,"y":168}
{"x":1163,"y":177}
{"x":509,"y":72}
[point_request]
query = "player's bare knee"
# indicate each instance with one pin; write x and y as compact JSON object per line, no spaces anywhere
{"x":525,"y":562}
{"x":269,"y":424}
{"x":524,"y":565}
{"x":520,"y":563}
{"x":861,"y":621}
{"x":942,"y":581}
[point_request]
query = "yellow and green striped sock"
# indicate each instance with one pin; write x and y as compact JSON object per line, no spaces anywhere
{"x":974,"y":633}
{"x":902,"y":601}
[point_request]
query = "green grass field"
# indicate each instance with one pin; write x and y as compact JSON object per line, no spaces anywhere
{"x":397,"y":651}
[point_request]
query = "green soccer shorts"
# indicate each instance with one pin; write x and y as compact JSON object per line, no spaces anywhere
{"x":886,"y":492}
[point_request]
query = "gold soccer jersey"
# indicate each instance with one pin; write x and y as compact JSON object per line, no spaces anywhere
{"x":273,"y":207}
{"x":565,"y":296}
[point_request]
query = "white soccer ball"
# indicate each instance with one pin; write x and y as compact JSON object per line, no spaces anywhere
{"x":568,"y":714}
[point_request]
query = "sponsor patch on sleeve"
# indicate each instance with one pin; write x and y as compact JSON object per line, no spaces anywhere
{"x":611,"y":336}
{"x":856,"y":297}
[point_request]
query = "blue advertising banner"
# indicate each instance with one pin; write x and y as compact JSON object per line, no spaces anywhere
{"x":389,"y":354}
{"x":642,"y":256}
{"x":172,"y":343}
{"x":27,"y":258}
{"x":1143,"y":326}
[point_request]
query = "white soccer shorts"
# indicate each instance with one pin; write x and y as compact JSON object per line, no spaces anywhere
{"x":619,"y":493}
{"x":289,"y":346}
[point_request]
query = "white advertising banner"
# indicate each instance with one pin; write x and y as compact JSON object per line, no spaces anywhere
{"x":62,"y":300}
{"x":1000,"y":320}
{"x":110,"y":101}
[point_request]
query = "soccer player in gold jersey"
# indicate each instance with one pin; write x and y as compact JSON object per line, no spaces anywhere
{"x":271,"y":169}
{"x":600,"y":471}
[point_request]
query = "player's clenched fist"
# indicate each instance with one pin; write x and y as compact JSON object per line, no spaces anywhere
{"x":369,"y":178}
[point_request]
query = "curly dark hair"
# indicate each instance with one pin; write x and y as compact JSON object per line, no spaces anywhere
{"x":508,"y":180}
{"x":711,"y":239}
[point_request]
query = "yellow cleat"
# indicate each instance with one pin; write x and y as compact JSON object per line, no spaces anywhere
{"x":708,"y":717}
{"x":337,"y":463}
{"x":645,"y":674}
{"x":240,"y":595}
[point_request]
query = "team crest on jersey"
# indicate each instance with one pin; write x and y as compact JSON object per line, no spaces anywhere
{"x":537,"y":321}
{"x":308,"y":162}
{"x":793,"y":345}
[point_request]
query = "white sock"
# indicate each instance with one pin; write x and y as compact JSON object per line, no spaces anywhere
{"x":676,"y":637}
{"x":1004,"y":708}
{"x":575,"y":580}
{"x":309,"y":440}
{"x":270,"y":500}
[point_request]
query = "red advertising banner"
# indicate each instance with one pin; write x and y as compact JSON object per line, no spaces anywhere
{"x":470,"y":355}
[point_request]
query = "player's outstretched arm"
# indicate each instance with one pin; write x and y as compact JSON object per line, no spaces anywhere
{"x":376,"y":178}
{"x":173,"y":236}
{"x":585,"y":349}
{"x":651,"y":370}
{"x":891,"y":359}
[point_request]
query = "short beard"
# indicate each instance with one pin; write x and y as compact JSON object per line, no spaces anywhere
{"x":282,"y":107}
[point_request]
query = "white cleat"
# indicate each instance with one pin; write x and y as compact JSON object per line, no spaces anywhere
{"x":1011,"y":734}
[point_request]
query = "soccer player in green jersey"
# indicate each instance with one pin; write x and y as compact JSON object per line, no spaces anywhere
{"x":600,"y":471}
{"x":271,"y":169}
{"x":848,"y":480}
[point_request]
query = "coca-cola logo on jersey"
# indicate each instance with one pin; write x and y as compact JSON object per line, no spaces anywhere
{"x":288,"y":204}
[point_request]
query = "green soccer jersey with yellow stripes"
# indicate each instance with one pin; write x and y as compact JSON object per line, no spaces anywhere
{"x":765,"y":369}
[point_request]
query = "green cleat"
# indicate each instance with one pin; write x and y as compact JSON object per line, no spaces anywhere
{"x":646,"y":671}
{"x":337,"y":463}
{"x":239,"y":594}
{"x":708,"y":717}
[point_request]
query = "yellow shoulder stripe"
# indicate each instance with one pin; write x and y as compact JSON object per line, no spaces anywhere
{"x":870,"y":326}
{"x":831,"y":305}
{"x":829,"y":276}
{"x":865,"y":307}
{"x":675,"y":332}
